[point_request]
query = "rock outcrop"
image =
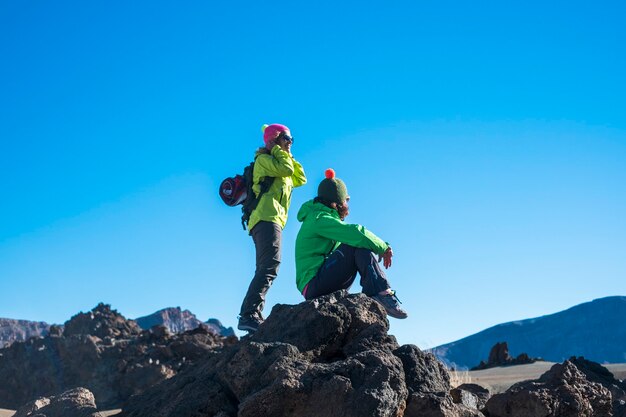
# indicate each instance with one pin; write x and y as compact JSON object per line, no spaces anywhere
{"x":598,"y":373}
{"x":103,"y":352}
{"x":20,"y":330}
{"x":77,"y":402}
{"x":563,"y":391}
{"x":499,"y":356}
{"x":471,"y":395}
{"x":327,"y":357}
{"x":101,"y":322}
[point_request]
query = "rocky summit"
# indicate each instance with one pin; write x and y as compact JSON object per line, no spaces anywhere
{"x":327,"y":357}
{"x":102,"y":351}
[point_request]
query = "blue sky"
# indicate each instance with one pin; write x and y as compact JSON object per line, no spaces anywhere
{"x":486,"y":143}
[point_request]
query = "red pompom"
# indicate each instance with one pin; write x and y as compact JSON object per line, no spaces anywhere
{"x":330,"y":173}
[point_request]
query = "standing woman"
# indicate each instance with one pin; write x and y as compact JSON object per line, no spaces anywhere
{"x":268,"y":219}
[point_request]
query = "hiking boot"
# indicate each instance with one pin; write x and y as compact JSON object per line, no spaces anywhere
{"x":249,"y":323}
{"x":391,"y":304}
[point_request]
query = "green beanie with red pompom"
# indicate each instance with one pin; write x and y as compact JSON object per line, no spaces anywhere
{"x":332,"y":189}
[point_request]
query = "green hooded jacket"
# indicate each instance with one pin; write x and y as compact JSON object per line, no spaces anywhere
{"x":288,"y":174}
{"x":321,"y":232}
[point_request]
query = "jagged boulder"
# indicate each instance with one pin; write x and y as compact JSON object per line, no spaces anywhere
{"x":101,"y":322}
{"x":598,"y":373}
{"x":326,"y":357}
{"x":424,"y":372}
{"x":437,"y":405}
{"x":563,"y":391}
{"x":78,"y":402}
{"x":428,"y":382}
{"x":470,"y":395}
{"x":114,"y":363}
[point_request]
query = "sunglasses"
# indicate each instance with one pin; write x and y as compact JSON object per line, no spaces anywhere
{"x":285,"y":137}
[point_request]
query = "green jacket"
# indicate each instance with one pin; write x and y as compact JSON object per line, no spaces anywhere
{"x":288,"y":174}
{"x":321,"y":232}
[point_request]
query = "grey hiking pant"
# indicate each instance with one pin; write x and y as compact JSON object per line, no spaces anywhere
{"x":267,"y":238}
{"x":339,"y":271}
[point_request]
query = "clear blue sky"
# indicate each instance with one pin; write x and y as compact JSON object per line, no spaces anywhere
{"x":485,"y":141}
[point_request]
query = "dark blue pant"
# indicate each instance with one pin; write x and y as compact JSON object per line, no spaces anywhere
{"x":267,"y":238}
{"x":339,"y":271}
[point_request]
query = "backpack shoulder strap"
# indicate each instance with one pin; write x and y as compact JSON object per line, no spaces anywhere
{"x":252,"y":200}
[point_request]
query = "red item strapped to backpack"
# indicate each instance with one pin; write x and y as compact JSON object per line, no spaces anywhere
{"x":233,"y":190}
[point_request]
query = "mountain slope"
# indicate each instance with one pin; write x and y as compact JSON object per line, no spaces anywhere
{"x":595,"y":330}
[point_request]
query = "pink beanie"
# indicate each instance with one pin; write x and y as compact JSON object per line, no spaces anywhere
{"x":271,"y":131}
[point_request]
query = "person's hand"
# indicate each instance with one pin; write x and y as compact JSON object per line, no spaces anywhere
{"x":386,"y":257}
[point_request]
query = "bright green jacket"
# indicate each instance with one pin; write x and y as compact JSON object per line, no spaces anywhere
{"x":321,"y":232}
{"x":288,"y":174}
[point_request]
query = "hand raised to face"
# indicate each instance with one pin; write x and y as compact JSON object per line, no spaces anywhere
{"x":284,"y":140}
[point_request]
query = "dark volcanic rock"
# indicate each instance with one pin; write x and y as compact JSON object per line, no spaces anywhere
{"x":470,"y":395}
{"x":499,"y":356}
{"x":78,"y":402}
{"x":424,"y":373}
{"x":101,"y":322}
{"x":619,"y":408}
{"x":327,"y":357}
{"x":20,"y":330}
{"x":598,"y":373}
{"x":437,"y":405}
{"x":118,"y":361}
{"x":563,"y":391}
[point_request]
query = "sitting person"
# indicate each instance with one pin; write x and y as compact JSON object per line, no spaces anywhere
{"x":329,"y":252}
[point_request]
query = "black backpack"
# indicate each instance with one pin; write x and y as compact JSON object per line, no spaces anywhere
{"x":238,"y":190}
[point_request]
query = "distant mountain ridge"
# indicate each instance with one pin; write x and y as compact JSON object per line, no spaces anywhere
{"x":178,"y":321}
{"x":595,"y":330}
{"x":174,"y":318}
{"x":20,"y":330}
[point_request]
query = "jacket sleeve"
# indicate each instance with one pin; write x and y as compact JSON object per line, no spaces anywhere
{"x":351,"y":234}
{"x":278,"y":164}
{"x":298,"y":177}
